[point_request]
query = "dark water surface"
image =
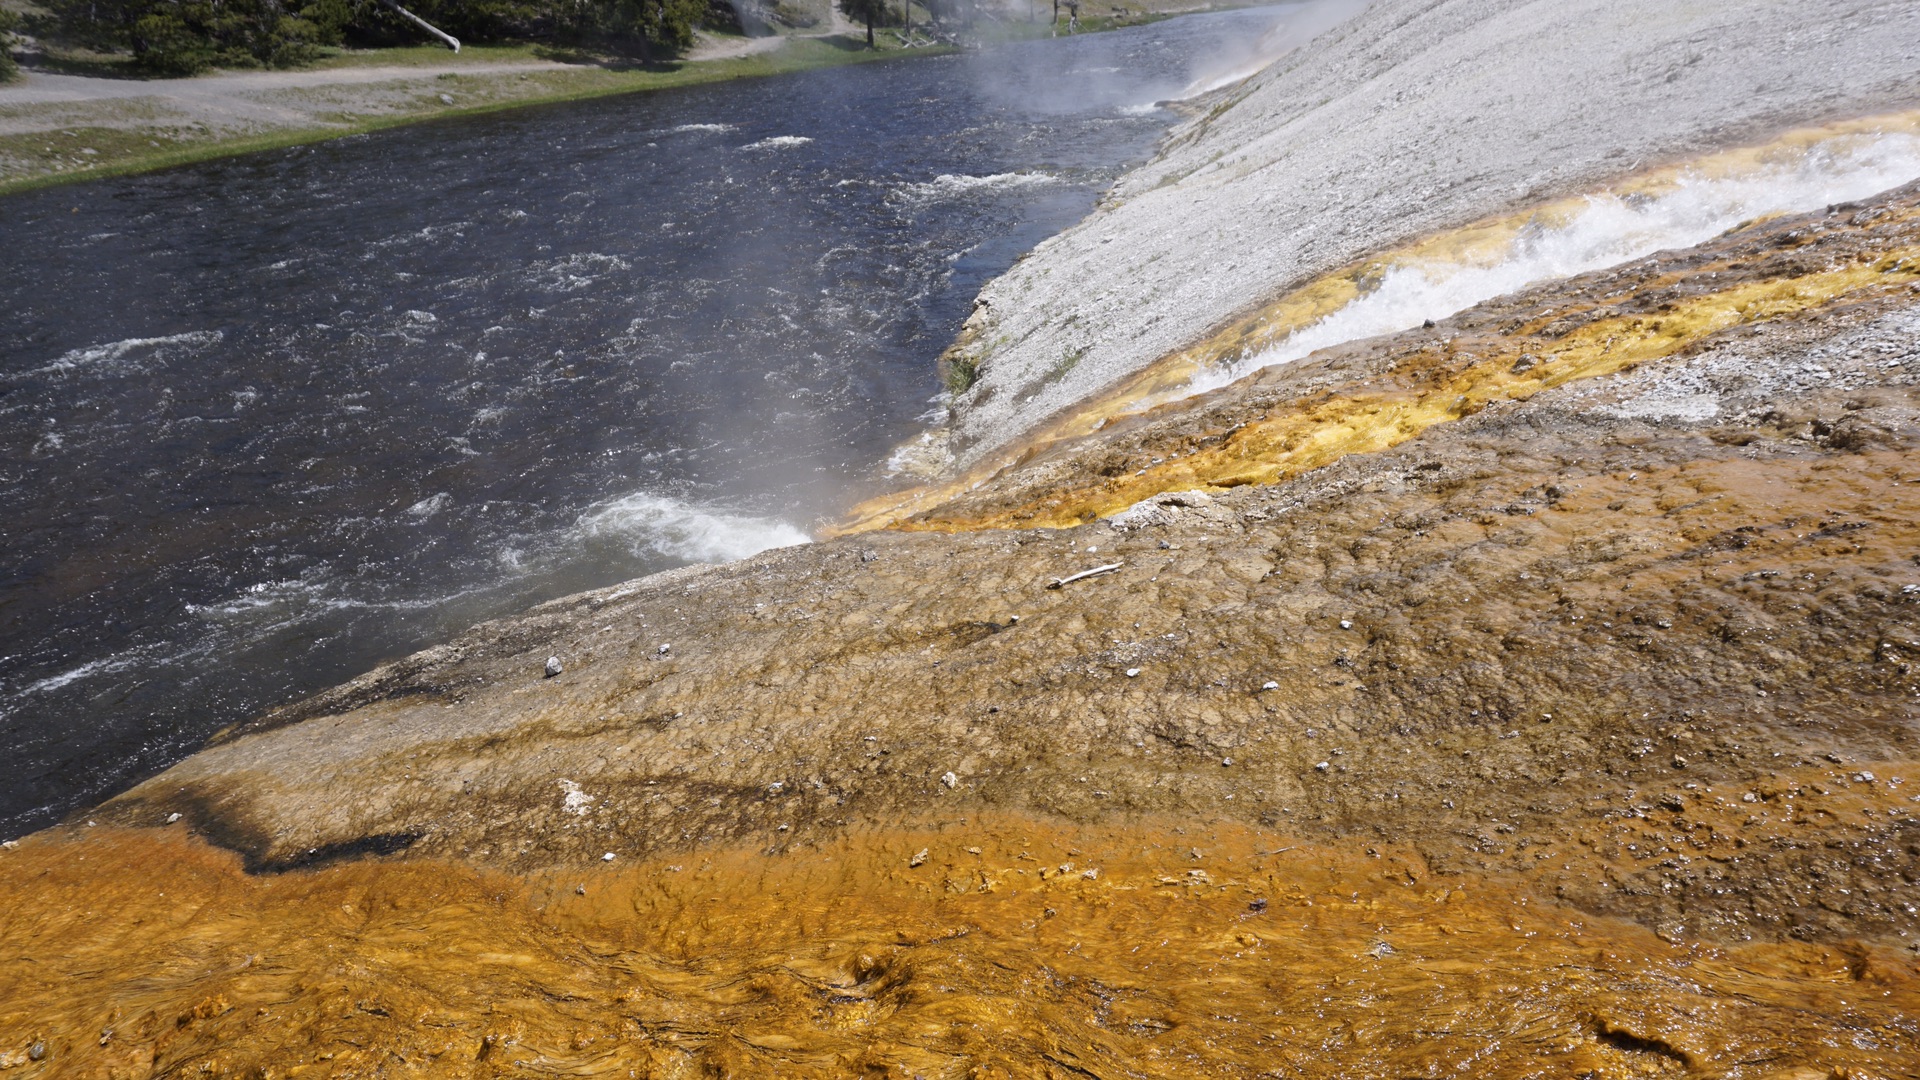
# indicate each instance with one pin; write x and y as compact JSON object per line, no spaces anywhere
{"x":269,"y":421}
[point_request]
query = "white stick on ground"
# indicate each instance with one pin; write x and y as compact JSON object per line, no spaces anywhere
{"x":452,"y":42}
{"x":1107,"y":569}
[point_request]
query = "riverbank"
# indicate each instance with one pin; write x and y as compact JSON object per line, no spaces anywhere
{"x":58,"y":128}
{"x":1525,"y":688}
{"x":1564,"y":728}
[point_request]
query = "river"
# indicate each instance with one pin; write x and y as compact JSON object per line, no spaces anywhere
{"x":271,"y":420}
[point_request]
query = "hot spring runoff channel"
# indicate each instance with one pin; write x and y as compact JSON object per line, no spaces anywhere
{"x":272,"y":420}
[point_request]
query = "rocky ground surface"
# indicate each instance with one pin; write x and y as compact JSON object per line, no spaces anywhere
{"x":1413,"y":116}
{"x":1528,"y":694}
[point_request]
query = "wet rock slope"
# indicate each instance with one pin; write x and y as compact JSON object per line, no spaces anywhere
{"x":1534,"y":693}
{"x":1413,"y":116}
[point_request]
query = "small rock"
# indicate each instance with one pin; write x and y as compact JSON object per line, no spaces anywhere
{"x":1257,"y":904}
{"x":1863,"y":777}
{"x":776,"y":787}
{"x":37,"y":1052}
{"x":665,"y":649}
{"x":446,"y":99}
{"x":171,"y":818}
{"x":950,"y":780}
{"x":1380,"y":950}
{"x":579,"y":890}
{"x":1322,"y":766}
{"x":918,"y":857}
{"x":1133,"y":672}
{"x":554,"y":666}
{"x":1346,"y":624}
{"x":1428,"y":325}
{"x":1226,"y":761}
{"x":1749,"y":797}
{"x":1191,"y":500}
{"x":1679,"y":762}
{"x":608,"y":857}
{"x":1269,"y":685}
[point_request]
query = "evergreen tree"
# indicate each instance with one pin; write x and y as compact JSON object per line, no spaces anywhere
{"x":871,"y":11}
{"x":9,"y":22}
{"x":183,"y":37}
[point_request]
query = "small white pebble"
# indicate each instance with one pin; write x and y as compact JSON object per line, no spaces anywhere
{"x":950,"y":779}
{"x":171,"y":818}
{"x":608,"y":857}
{"x":1132,"y":672}
{"x":1322,"y":766}
{"x":1863,"y":778}
{"x":1269,"y":685}
{"x":1346,"y":624}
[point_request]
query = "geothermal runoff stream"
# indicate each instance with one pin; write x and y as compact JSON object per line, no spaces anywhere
{"x":272,"y":420}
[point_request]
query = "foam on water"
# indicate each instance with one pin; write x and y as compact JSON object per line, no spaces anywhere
{"x":1607,"y":230}
{"x":778,"y":142}
{"x":93,"y":667}
{"x":952,"y":185}
{"x":652,"y":523}
{"x":112,"y":353}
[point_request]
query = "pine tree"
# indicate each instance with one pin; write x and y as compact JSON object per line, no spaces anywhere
{"x":869,"y":10}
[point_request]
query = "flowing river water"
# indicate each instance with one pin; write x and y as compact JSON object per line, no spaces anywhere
{"x":271,"y":420}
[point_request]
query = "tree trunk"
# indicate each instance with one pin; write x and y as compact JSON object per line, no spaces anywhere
{"x":452,"y":42}
{"x":906,"y":14}
{"x":869,"y":28}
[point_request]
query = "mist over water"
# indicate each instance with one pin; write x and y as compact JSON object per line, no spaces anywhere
{"x":270,"y":421}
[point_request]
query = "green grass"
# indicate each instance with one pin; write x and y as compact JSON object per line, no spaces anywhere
{"x":427,"y":56}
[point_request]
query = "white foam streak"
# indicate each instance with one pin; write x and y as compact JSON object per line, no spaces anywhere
{"x":97,"y":667}
{"x":665,"y":526}
{"x":1607,"y":231}
{"x":778,"y":142}
{"x":115,"y":351}
{"x":951,"y":185}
